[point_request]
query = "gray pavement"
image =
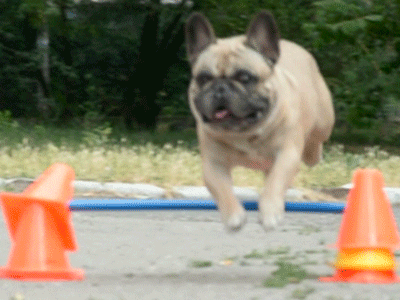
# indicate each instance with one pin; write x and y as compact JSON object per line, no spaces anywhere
{"x":188,"y":255}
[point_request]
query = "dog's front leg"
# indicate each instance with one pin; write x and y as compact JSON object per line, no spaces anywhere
{"x":278,"y":179}
{"x":218,"y":179}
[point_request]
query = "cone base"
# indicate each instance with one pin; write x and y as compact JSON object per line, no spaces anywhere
{"x":39,"y":275}
{"x":365,"y":259}
{"x":363,"y":276}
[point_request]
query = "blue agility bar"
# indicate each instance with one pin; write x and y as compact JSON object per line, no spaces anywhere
{"x":176,"y":204}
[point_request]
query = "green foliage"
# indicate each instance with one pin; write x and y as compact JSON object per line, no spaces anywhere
{"x":230,"y":18}
{"x":287,"y":273}
{"x":201,"y":263}
{"x":98,"y":136}
{"x":6,"y":121}
{"x":100,"y":66}
{"x":358,"y":52}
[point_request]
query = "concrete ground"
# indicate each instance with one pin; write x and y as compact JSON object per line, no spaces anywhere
{"x":188,"y":255}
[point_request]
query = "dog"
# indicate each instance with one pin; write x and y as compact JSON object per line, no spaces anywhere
{"x":259,"y":102}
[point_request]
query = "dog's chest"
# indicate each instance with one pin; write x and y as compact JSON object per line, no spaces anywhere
{"x":245,"y":154}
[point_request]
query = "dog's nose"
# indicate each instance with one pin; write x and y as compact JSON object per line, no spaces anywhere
{"x":220,"y":91}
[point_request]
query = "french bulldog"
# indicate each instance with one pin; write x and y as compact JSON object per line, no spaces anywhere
{"x":259,"y":102}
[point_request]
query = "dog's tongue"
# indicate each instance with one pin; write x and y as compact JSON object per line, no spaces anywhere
{"x":221,"y":114}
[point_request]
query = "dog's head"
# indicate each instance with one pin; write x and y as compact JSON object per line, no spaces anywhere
{"x":228,"y":89}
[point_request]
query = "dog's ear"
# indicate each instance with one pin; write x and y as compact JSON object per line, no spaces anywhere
{"x":263,"y":36}
{"x":199,"y":35}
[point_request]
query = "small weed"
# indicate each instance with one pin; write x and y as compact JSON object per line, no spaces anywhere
{"x":286,"y":274}
{"x":308,"y":229}
{"x":302,"y":293}
{"x":277,"y":251}
{"x":254,"y":254}
{"x":312,"y":251}
{"x":310,"y":262}
{"x":201,"y":263}
{"x":232,"y":258}
{"x":288,"y":257}
{"x":259,"y":255}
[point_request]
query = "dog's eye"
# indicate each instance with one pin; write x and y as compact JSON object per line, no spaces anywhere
{"x":203,"y":78}
{"x":244,"y":77}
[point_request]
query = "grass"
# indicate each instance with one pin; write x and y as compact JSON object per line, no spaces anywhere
{"x":308,"y":229}
{"x":279,"y":250}
{"x":129,"y":275}
{"x":163,"y":159}
{"x":255,"y":254}
{"x":287,"y":273}
{"x":201,"y":263}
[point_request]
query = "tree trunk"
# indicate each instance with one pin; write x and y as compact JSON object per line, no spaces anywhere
{"x":140,"y":97}
{"x":66,"y":56}
{"x":43,"y":46}
{"x":154,"y":60}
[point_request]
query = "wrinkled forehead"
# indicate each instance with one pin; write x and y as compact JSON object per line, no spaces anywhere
{"x":229,"y":55}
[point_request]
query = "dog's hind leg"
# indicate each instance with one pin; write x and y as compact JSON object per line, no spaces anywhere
{"x":312,"y":153}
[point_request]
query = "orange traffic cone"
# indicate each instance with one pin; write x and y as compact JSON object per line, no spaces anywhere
{"x":40,"y":228}
{"x":368,"y":233}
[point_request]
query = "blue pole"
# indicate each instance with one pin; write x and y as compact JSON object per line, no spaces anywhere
{"x":157,"y":204}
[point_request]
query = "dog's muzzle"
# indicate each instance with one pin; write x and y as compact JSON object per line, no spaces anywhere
{"x":223,"y":106}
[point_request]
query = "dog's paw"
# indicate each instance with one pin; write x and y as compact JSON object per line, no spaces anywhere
{"x":271,"y":221}
{"x":236,"y":221}
{"x":270,"y":216}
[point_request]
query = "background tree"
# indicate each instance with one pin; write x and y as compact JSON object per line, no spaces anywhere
{"x":161,"y":38}
{"x":124,"y":61}
{"x":358,"y":43}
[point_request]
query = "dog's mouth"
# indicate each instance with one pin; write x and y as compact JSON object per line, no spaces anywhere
{"x":227,"y":118}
